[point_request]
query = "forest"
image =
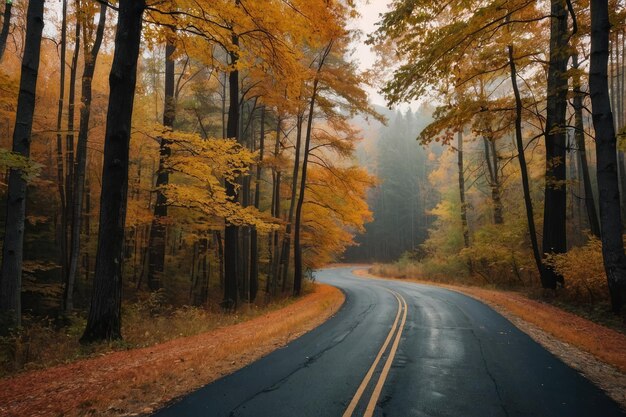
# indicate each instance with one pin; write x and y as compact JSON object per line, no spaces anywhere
{"x":173,"y":159}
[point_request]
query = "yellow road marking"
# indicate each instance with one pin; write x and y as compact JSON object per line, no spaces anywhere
{"x":370,"y":372}
{"x":369,"y":411}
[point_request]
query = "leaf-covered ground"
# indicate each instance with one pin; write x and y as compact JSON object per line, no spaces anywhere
{"x":137,"y":381}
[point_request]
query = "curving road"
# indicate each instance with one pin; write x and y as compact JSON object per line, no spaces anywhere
{"x":400,"y":349}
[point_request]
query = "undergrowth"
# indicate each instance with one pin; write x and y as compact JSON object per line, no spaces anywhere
{"x":45,"y":342}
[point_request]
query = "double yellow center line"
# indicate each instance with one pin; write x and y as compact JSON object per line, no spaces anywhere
{"x":371,"y":405}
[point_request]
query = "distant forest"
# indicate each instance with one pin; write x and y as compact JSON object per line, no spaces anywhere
{"x":403,"y":198}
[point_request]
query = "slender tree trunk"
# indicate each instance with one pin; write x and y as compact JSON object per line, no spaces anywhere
{"x":464,"y":225}
{"x":90,"y":58}
{"x":555,"y":203}
{"x":254,"y":243}
{"x":276,"y":214}
{"x":523,"y":168}
{"x":614,"y":89}
{"x":69,"y":178}
{"x":220,"y":256}
{"x":62,"y":237}
{"x":610,"y":214}
{"x":6,"y":25}
{"x":579,"y":134}
{"x":492,"y":161}
{"x":297,"y":246}
{"x":13,"y":242}
{"x":156,"y":245}
{"x":286,"y":245}
{"x":104,"y":320}
{"x":244,"y":231}
{"x":231,"y":232}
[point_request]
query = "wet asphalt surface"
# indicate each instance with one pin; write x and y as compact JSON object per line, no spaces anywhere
{"x":456,"y":357}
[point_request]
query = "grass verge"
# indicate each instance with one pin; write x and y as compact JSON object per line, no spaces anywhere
{"x":137,"y":381}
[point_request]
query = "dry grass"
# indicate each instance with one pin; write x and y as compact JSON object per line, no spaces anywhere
{"x":140,"y":380}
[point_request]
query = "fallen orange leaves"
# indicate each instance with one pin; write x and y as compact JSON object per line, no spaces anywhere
{"x":138,"y":381}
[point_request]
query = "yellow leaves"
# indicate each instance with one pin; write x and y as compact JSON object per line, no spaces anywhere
{"x":583,"y":270}
{"x":199,"y":169}
{"x":335,"y":208}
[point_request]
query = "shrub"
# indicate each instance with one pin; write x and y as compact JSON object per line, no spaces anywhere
{"x":583,"y":271}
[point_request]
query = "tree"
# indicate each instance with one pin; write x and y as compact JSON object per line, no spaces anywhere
{"x":609,"y":195}
{"x":555,"y":202}
{"x":104,"y":320}
{"x":297,"y":280}
{"x":6,"y":25}
{"x":91,"y":48}
{"x":522,"y":163}
{"x":459,"y":149}
{"x":156,"y":245}
{"x":13,"y":247}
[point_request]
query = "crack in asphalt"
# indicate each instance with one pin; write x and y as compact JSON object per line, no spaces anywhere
{"x":309,"y":360}
{"x":493,"y":379}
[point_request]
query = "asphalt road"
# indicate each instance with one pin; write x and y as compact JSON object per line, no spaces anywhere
{"x":400,"y":349}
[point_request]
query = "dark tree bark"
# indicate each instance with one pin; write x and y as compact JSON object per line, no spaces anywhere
{"x":13,"y":247}
{"x":231,"y":232}
{"x":6,"y":25}
{"x":90,"y":57}
{"x":297,"y":246}
{"x":275,"y":238}
{"x":62,"y":232}
{"x":523,"y":168}
{"x":286,"y":244}
{"x":579,"y":136}
{"x":156,"y":245}
{"x":69,"y":178}
{"x":464,"y":225}
{"x":610,"y":214}
{"x":254,"y":239}
{"x":555,"y":203}
{"x":104,"y":320}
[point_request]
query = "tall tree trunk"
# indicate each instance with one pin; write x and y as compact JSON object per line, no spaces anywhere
{"x":62,"y":237}
{"x":244,"y":231}
{"x":579,"y":135}
{"x":104,"y":320}
{"x":286,"y":245}
{"x":523,"y":168}
{"x":156,"y":245}
{"x":6,"y":25}
{"x":231,"y":232}
{"x":555,"y":203}
{"x":13,"y":246}
{"x":464,"y":225}
{"x":254,"y":243}
{"x":90,"y":57}
{"x":610,"y":215}
{"x":614,"y":88}
{"x":297,"y":246}
{"x":69,"y":178}
{"x":271,"y":288}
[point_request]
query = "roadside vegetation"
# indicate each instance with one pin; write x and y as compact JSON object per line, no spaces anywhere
{"x":43,"y":343}
{"x":519,"y":182}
